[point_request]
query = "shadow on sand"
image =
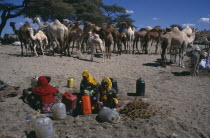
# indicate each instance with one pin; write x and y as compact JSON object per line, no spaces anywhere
{"x":183,"y":73}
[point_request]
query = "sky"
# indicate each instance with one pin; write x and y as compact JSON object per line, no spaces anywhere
{"x":195,"y":13}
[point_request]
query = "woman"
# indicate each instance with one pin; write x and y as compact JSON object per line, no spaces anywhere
{"x":108,"y":95}
{"x":89,"y":86}
{"x":46,"y":93}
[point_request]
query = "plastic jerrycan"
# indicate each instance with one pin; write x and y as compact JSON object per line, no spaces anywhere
{"x":59,"y":111}
{"x":86,"y":104}
{"x":140,"y":87}
{"x":109,"y":115}
{"x":69,"y":100}
{"x":43,"y":127}
{"x":114,"y":84}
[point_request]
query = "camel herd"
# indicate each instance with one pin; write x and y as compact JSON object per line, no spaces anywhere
{"x":123,"y":39}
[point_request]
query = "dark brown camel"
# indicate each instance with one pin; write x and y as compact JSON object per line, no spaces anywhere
{"x":23,"y":35}
{"x":115,"y":34}
{"x":122,"y":36}
{"x":140,"y":36}
{"x":75,"y":34}
{"x":153,"y":35}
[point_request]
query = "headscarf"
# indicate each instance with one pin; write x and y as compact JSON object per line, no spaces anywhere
{"x":89,"y":78}
{"x":43,"y":87}
{"x":108,"y":81}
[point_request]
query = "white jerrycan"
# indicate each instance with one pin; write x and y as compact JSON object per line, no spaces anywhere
{"x":43,"y":127}
{"x":59,"y":111}
{"x":109,"y":115}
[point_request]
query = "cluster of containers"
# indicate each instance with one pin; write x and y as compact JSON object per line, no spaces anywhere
{"x":44,"y":125}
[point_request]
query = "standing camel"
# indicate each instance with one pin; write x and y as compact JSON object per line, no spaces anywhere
{"x":152,"y":35}
{"x":122,"y":36}
{"x":107,"y":31}
{"x":176,"y":39}
{"x":60,"y":33}
{"x":130,"y":38}
{"x":139,"y":36}
{"x":88,"y":27}
{"x":23,"y":35}
{"x":93,"y":42}
{"x":75,"y":34}
{"x":46,"y":29}
{"x":40,"y":39}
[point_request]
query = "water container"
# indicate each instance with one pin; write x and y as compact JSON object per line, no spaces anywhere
{"x":59,"y":111}
{"x":70,"y":83}
{"x":109,"y":115}
{"x":34,"y":82}
{"x":69,"y":100}
{"x":140,"y":87}
{"x":114,"y":84}
{"x":43,"y":127}
{"x":86,"y":104}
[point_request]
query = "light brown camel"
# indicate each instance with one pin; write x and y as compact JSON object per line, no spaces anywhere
{"x":46,"y":29}
{"x":40,"y":39}
{"x":176,"y":39}
{"x":88,"y":27}
{"x":75,"y":34}
{"x":23,"y":35}
{"x":94,"y":41}
{"x":153,"y":35}
{"x":107,"y":33}
{"x":115,"y":35}
{"x":60,"y":33}
{"x":122,"y":36}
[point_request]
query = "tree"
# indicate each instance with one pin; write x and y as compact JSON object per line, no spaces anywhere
{"x":84,"y":10}
{"x":10,"y":10}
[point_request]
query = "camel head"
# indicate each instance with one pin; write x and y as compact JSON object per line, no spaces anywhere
{"x":36,"y":20}
{"x":12,"y":23}
{"x":66,"y":22}
{"x":78,"y":23}
{"x":46,"y":23}
{"x":30,"y":29}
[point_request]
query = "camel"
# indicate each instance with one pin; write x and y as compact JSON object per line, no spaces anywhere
{"x":46,"y":29}
{"x":152,"y":35}
{"x":23,"y":35}
{"x":40,"y":38}
{"x":130,"y":37}
{"x":148,"y":28}
{"x":106,"y":30}
{"x":88,"y":27}
{"x":93,"y":42}
{"x":60,"y":33}
{"x":176,"y":39}
{"x":75,"y":34}
{"x":139,"y":36}
{"x":122,"y":36}
{"x":115,"y":35}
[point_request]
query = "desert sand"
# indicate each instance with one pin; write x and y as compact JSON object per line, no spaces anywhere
{"x":185,"y":98}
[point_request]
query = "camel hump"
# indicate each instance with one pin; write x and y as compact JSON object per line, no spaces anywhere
{"x":175,"y":29}
{"x":26,"y":25}
{"x":57,"y":22}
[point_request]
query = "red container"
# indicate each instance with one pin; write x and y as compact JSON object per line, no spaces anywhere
{"x":86,"y":104}
{"x":69,"y":100}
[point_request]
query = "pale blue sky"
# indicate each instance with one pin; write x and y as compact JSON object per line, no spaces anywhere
{"x":153,"y":12}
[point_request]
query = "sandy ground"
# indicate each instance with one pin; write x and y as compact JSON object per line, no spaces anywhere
{"x":171,"y":89}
